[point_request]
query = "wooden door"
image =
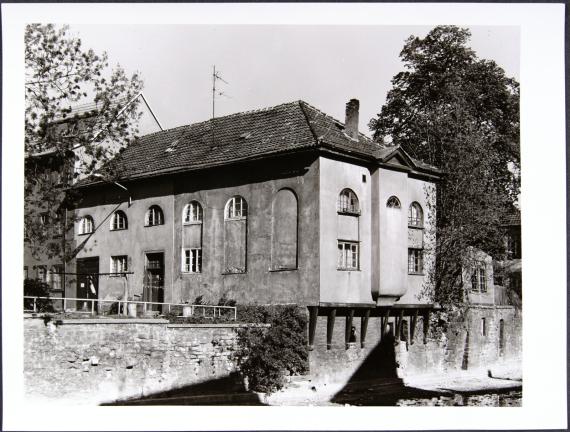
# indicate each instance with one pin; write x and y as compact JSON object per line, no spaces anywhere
{"x":154,"y":280}
{"x":87,"y":282}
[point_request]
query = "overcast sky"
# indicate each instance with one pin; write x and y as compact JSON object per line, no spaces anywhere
{"x":268,"y":65}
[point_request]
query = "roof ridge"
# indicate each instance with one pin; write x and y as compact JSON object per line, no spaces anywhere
{"x":227,"y":116}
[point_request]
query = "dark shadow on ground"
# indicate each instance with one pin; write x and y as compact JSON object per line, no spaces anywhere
{"x":229,"y":390}
{"x":376,"y":383}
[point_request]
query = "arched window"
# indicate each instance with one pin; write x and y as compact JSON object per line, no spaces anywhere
{"x":193,"y":213}
{"x":236,"y":208}
{"x":348,"y":202}
{"x":284,"y":230}
{"x":393,"y":202}
{"x":86,"y":225}
{"x":415,"y":215}
{"x":119,"y":221}
{"x":235,"y":235}
{"x":154,"y":216}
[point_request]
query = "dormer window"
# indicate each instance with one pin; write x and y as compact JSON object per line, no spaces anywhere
{"x":348,"y":202}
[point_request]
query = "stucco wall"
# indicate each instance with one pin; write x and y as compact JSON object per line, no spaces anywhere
{"x":85,"y":362}
{"x":258,"y":185}
{"x":135,"y":242}
{"x":340,"y":285}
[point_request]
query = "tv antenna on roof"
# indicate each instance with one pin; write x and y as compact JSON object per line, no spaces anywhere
{"x":216,"y":77}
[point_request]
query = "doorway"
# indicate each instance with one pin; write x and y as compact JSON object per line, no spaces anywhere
{"x":87,"y":282}
{"x":154,"y":280}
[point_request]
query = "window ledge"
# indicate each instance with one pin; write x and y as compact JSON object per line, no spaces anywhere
{"x":416,"y":274}
{"x":348,"y":269}
{"x":234,"y":273}
{"x":236,"y":218}
{"x":88,"y":233}
{"x":348,"y":213}
{"x":276,"y":270}
{"x":118,"y":229}
{"x":151,"y":226}
{"x":187,"y":273}
{"x":420,"y":227}
{"x":192,"y":223}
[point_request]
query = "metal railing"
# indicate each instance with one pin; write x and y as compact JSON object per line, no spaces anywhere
{"x":216,"y":311}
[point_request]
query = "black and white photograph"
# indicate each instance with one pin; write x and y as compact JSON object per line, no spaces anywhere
{"x":270,"y":213}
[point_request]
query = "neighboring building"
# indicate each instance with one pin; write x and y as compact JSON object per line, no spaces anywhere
{"x":509,"y":271}
{"x":42,"y":258}
{"x":278,"y":205}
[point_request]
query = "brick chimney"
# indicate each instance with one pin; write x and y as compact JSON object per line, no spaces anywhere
{"x":351,"y":121}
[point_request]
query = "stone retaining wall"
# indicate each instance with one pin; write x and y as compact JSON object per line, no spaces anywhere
{"x":462,"y":346}
{"x":97,"y":360}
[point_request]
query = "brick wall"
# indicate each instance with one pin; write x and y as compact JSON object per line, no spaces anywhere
{"x":88,"y":361}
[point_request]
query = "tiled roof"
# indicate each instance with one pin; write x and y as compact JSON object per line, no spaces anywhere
{"x":270,"y":131}
{"x":283,"y":128}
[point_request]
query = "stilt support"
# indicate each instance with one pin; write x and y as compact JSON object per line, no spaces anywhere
{"x":348,"y":326}
{"x":364,"y":327}
{"x":313,"y":315}
{"x":413,"y":323}
{"x":385,"y":322}
{"x":399,"y":325}
{"x":330,"y":327}
{"x":426,"y":326}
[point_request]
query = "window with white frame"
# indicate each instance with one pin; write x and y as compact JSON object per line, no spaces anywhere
{"x":119,"y":221}
{"x":415,"y":215}
{"x":415,"y":261}
{"x":393,"y":202}
{"x":86,"y":225}
{"x":42,"y":273}
{"x":348,"y":202}
{"x":119,"y":264}
{"x":479,"y":279}
{"x":193,"y":213}
{"x":347,"y":255}
{"x":236,"y":208}
{"x":154,"y":216}
{"x":192,"y":260}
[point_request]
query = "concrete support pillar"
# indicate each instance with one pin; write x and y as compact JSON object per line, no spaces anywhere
{"x":313,"y":315}
{"x":348,"y":326}
{"x":330,"y":327}
{"x":364,"y":327}
{"x":413,"y":323}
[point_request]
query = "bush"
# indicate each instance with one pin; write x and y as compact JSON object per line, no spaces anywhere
{"x":267,"y":355}
{"x":37,"y":288}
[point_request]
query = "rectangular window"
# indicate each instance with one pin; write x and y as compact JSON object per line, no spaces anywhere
{"x":119,"y":264}
{"x":479,"y":280}
{"x":483,"y":326}
{"x":42,"y":273}
{"x":192,"y":260}
{"x":415,"y":261}
{"x":347,"y":255}
{"x":26,"y":272}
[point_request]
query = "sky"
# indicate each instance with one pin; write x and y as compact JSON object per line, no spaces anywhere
{"x":266,"y":65}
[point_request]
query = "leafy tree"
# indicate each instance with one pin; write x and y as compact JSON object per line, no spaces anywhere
{"x":460,"y":113}
{"x":77,"y":117}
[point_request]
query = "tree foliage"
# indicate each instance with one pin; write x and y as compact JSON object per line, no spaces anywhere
{"x":460,"y":113}
{"x":267,"y":355}
{"x":77,"y":116}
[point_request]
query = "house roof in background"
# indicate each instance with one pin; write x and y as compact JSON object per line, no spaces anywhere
{"x":265,"y":132}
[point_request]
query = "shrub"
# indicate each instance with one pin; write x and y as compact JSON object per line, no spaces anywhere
{"x":37,"y":288}
{"x":267,"y":355}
